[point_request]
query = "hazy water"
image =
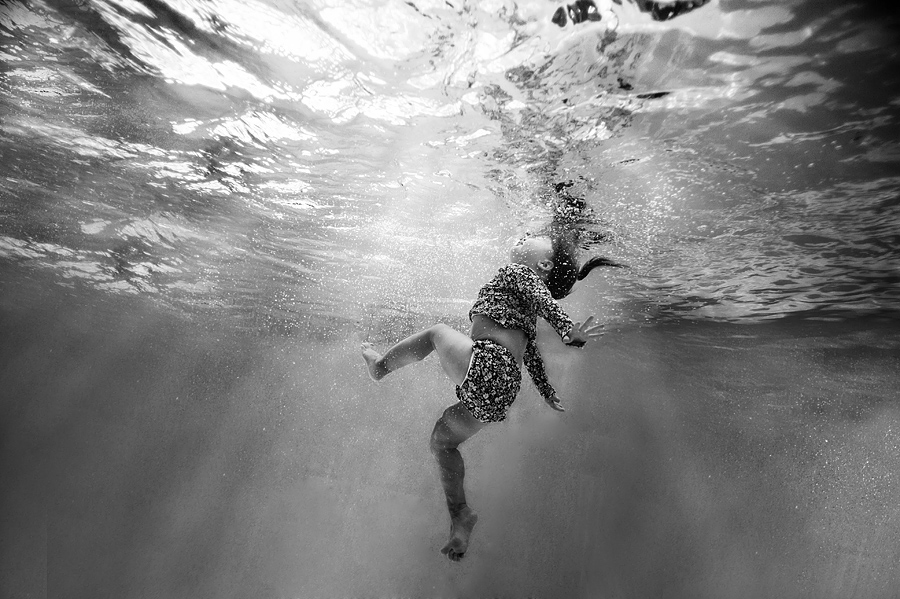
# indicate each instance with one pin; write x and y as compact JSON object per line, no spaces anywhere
{"x":207,"y":205}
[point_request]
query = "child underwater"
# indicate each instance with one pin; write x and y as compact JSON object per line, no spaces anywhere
{"x":485,"y":365}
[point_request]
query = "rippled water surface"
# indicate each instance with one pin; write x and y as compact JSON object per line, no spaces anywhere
{"x":266,"y":157}
{"x":206,"y":204}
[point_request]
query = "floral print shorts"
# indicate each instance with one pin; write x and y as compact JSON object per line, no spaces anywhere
{"x":491,"y":383}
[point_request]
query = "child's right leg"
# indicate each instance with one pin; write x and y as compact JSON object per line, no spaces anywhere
{"x":452,"y":347}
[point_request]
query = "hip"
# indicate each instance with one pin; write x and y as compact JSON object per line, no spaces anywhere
{"x":485,"y":329}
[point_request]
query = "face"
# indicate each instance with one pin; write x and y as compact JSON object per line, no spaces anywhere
{"x":531,"y":250}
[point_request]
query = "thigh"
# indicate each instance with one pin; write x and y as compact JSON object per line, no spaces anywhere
{"x":454,"y":350}
{"x":454,"y":426}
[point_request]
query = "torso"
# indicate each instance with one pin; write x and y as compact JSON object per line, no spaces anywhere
{"x":515,"y":340}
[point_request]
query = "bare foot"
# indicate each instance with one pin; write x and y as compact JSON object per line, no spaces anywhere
{"x":460,"y":528}
{"x":376,"y":372}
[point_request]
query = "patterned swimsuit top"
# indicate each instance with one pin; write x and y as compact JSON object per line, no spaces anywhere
{"x":514,"y":299}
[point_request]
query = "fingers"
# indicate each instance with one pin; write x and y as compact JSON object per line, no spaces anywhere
{"x":554,"y":403}
{"x":591,"y":331}
{"x":584,"y":330}
{"x":581,"y":326}
{"x":594,"y":331}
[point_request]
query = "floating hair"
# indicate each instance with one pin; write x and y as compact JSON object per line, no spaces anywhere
{"x":595,"y":262}
{"x":566,"y":271}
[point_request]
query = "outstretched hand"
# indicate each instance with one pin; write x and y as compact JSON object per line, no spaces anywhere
{"x":553,"y":402}
{"x":582,"y":332}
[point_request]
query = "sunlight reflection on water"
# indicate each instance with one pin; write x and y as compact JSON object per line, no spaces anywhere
{"x":707,"y":145}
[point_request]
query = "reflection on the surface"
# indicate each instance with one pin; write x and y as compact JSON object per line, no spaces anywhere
{"x":587,"y":10}
{"x":275,"y":130}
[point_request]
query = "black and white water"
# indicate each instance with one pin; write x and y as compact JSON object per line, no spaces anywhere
{"x":205,"y":206}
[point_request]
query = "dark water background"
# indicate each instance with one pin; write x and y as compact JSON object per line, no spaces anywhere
{"x":206,"y":206}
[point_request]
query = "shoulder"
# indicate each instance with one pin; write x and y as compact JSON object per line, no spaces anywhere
{"x":521,"y":278}
{"x":519,"y":271}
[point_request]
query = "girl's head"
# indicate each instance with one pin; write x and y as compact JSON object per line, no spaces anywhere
{"x":554,"y":257}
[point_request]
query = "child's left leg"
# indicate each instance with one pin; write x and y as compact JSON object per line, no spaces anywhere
{"x":452,"y":347}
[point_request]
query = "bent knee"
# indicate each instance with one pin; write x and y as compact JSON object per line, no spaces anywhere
{"x":443,"y":439}
{"x":439,"y":329}
{"x":439,"y":442}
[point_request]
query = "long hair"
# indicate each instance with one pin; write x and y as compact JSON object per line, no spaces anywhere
{"x":565,"y":270}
